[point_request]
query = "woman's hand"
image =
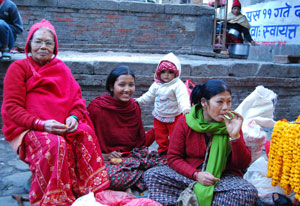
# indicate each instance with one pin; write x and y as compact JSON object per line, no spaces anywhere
{"x":186,"y":111}
{"x":55,"y":127}
{"x":109,"y":156}
{"x":72,"y":124}
{"x":206,"y":179}
{"x":233,"y":124}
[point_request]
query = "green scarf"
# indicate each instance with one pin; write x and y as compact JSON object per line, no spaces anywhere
{"x":220,"y":149}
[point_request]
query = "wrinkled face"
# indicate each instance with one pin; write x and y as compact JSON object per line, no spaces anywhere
{"x":42,"y":45}
{"x":236,"y":10}
{"x":167,"y":75}
{"x":215,"y":108}
{"x":124,"y":88}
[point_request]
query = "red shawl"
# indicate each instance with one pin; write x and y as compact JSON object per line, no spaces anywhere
{"x":52,"y":94}
{"x":118,"y":124}
{"x":33,"y":91}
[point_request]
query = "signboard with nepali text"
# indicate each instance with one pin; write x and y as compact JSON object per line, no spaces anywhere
{"x":275,"y":22}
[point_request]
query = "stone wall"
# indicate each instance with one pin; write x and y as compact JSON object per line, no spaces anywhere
{"x":242,"y":76}
{"x":98,"y":25}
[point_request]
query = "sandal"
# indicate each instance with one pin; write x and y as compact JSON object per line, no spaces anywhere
{"x":6,"y":56}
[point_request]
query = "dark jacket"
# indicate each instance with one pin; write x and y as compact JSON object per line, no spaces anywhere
{"x":10,"y":14}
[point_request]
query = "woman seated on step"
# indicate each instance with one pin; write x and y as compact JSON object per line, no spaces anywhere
{"x":207,"y":148}
{"x":46,"y":122}
{"x":121,"y":134}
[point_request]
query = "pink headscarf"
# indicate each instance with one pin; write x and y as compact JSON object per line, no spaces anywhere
{"x":165,"y":65}
{"x":43,"y":24}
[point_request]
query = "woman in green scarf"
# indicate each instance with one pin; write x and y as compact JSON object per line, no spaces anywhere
{"x":207,"y":148}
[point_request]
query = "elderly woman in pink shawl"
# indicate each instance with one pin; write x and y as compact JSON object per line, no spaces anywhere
{"x":46,"y":123}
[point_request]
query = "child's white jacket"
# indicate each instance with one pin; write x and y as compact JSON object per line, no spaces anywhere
{"x":170,"y":99}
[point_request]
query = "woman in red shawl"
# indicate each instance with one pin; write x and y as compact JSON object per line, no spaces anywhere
{"x":46,"y":122}
{"x":120,"y":131}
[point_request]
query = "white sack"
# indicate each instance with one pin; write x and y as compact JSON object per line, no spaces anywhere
{"x":87,"y":200}
{"x":259,"y":107}
{"x":257,"y":110}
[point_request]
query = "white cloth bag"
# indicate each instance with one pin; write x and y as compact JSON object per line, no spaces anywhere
{"x":87,"y":200}
{"x":259,"y":107}
{"x":257,"y":110}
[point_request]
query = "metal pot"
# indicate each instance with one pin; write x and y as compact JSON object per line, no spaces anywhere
{"x":238,"y":50}
{"x":233,"y":32}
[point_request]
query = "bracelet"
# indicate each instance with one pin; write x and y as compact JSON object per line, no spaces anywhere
{"x":74,"y":117}
{"x":195,"y":175}
{"x":234,"y":138}
{"x":39,"y":124}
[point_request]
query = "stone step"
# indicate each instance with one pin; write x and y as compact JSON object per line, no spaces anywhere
{"x":287,"y":59}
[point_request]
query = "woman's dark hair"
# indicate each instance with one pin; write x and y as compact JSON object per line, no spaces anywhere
{"x":114,"y":74}
{"x":207,"y":90}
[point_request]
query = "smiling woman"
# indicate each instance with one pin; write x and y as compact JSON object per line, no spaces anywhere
{"x":121,"y":134}
{"x":123,"y":88}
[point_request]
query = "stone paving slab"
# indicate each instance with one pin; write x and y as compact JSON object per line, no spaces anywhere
{"x":137,"y":57}
{"x":14,"y":174}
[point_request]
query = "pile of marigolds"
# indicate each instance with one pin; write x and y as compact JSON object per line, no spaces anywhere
{"x":284,"y":156}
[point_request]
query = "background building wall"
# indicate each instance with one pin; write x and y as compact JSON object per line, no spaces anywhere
{"x":275,"y":26}
{"x":123,"y":26}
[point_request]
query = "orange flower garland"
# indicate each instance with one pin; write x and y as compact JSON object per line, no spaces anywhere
{"x":284,"y":156}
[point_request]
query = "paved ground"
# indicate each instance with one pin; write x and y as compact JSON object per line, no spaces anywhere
{"x":13,"y":175}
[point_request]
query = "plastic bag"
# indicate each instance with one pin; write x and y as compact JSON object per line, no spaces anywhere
{"x":118,"y":198}
{"x":219,"y":2}
{"x":257,"y":110}
{"x":87,"y":200}
{"x":256,"y":175}
{"x":189,"y":85}
{"x":255,"y":138}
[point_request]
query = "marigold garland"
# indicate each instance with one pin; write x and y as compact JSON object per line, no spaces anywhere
{"x":284,"y":156}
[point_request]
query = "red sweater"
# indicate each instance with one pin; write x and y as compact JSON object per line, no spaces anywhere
{"x":52,"y":93}
{"x":187,"y":150}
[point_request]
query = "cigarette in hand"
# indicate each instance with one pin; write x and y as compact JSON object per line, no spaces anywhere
{"x":227,"y":116}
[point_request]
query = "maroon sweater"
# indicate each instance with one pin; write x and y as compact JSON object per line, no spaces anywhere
{"x":118,"y":125}
{"x":187,"y":150}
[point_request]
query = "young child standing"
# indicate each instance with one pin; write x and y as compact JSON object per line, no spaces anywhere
{"x":170,"y":97}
